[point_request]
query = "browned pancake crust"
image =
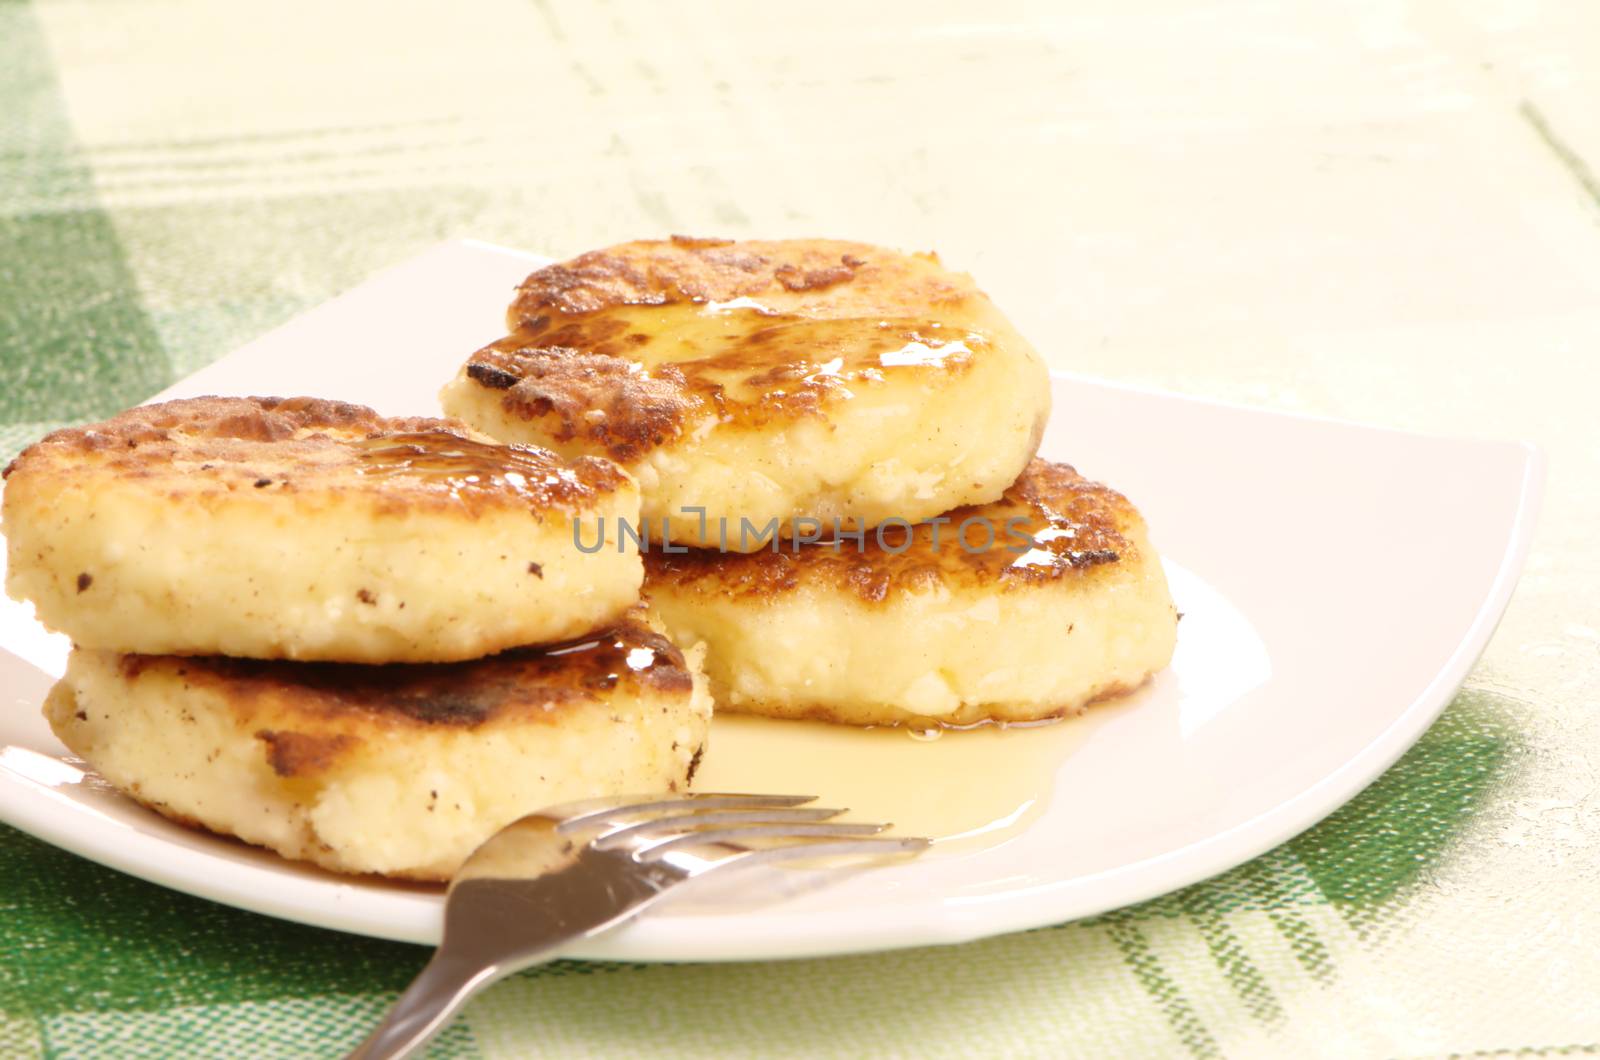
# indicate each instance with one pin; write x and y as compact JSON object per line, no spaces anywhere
{"x":856,"y":277}
{"x":261,"y":446}
{"x":828,"y":312}
{"x":310,"y":715}
{"x":1079,"y":531}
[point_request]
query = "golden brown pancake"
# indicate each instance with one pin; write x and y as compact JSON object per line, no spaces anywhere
{"x":399,"y":770}
{"x":308,"y":529}
{"x":765,"y":381}
{"x":1027,"y":608}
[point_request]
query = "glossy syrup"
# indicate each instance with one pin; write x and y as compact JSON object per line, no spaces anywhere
{"x":967,"y":789}
{"x":467,"y":466}
{"x":444,"y":455}
{"x":745,"y":354}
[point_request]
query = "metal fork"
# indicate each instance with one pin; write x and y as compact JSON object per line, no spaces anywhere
{"x":573,"y":871}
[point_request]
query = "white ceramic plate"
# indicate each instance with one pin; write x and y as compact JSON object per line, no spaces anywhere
{"x":1337,"y":582}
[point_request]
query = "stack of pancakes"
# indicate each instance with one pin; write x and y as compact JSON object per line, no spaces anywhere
{"x":319,"y":630}
{"x":835,"y":444}
{"x":370,"y":643}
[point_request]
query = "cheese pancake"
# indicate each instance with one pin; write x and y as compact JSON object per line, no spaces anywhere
{"x":399,"y":770}
{"x":766,"y":381}
{"x":1067,"y":604}
{"x":307,"y":529}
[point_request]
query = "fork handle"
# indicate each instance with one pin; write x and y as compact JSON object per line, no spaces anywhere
{"x":436,"y":994}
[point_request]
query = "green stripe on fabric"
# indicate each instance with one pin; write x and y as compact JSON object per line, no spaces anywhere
{"x":1274,"y":881}
{"x":1272,"y":876}
{"x":1146,"y":967}
{"x":1570,"y":160}
{"x":1375,"y":847}
{"x":75,"y":342}
{"x":1241,"y":973}
{"x":290,"y":1029}
{"x":1306,"y":946}
{"x":72,"y":944}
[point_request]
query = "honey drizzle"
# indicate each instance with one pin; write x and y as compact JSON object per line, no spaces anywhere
{"x":967,"y":789}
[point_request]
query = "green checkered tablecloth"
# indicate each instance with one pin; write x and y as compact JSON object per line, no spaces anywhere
{"x":1385,"y":211}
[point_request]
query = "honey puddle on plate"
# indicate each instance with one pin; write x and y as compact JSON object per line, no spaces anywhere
{"x":967,"y":789}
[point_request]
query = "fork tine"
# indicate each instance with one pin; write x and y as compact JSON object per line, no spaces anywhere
{"x":740,"y":833}
{"x":594,"y":811}
{"x":696,"y":822}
